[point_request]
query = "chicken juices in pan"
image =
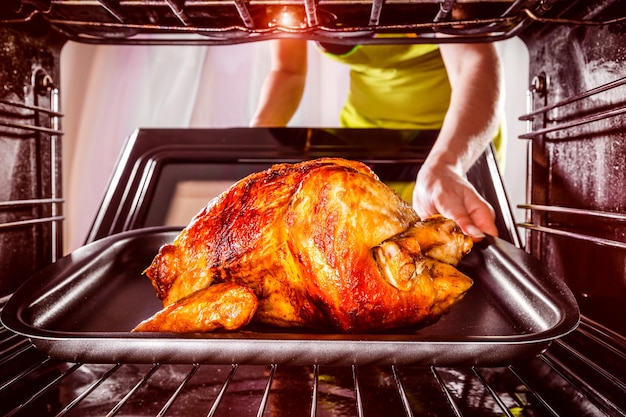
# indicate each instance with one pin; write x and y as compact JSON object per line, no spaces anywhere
{"x":322,"y":244}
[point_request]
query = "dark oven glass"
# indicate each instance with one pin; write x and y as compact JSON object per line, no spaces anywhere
{"x":167,"y":175}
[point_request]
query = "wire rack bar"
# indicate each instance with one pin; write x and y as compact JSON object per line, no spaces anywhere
{"x":178,"y":11}
{"x":5,"y":335}
{"x":95,"y":384}
{"x":24,"y":372}
{"x":51,"y":385}
{"x":314,"y":394}
{"x":310,"y":9}
{"x":573,"y":235}
{"x":134,"y":389}
{"x":592,"y":365}
{"x":445,"y":7}
{"x":29,"y":222}
{"x":377,"y":8}
{"x":30,"y":128}
{"x":546,"y":404}
{"x":222,"y":392}
{"x":180,"y":388}
{"x":581,"y":385}
{"x":575,"y":211}
{"x":614,"y":112}
{"x":492,"y":392}
{"x":13,"y":350}
{"x":266,"y":391}
{"x":244,"y":13}
{"x":600,"y":335}
{"x":574,"y":98}
{"x":449,"y":397}
{"x":39,"y":109}
{"x":402,"y":392}
{"x":113,"y":9}
{"x":357,"y":391}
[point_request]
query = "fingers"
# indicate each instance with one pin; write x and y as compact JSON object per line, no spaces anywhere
{"x":476,"y":217}
{"x":457,"y":199}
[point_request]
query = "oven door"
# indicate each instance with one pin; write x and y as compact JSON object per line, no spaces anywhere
{"x":165,"y":176}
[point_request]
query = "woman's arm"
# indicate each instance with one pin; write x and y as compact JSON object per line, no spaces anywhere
{"x":283,"y":87}
{"x":470,"y":124}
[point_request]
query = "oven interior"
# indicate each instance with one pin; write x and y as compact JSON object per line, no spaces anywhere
{"x":575,"y":207}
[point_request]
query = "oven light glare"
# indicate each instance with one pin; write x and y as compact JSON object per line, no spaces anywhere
{"x":287,"y":19}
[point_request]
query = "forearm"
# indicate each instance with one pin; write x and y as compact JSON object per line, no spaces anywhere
{"x":283,"y":87}
{"x":474,"y":113}
{"x":279,"y":100}
{"x":470,"y":124}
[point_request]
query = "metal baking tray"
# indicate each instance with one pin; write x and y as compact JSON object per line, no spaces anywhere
{"x":82,"y":308}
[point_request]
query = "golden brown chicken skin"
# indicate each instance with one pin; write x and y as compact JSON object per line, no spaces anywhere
{"x":322,"y":244}
{"x":225,"y":306}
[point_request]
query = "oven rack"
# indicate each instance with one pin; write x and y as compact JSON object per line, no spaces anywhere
{"x":537,"y":386}
{"x":236,"y":21}
{"x":31,"y":206}
{"x":564,"y":121}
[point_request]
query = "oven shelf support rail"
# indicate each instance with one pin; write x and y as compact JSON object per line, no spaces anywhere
{"x":561,"y":125}
{"x":604,"y":215}
{"x":32,"y":201}
{"x":598,"y":116}
{"x":318,"y":21}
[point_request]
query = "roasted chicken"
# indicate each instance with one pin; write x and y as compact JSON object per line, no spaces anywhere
{"x":322,"y":244}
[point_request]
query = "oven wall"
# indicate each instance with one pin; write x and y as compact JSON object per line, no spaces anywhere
{"x":30,"y":154}
{"x":579,"y":164}
{"x":108,"y":91}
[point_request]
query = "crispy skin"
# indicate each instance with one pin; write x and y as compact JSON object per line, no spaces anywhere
{"x":322,"y":244}
{"x":225,"y":306}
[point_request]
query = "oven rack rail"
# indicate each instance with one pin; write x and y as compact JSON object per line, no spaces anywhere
{"x":538,"y":386}
{"x":236,"y":21}
{"x":604,"y":215}
{"x":41,"y":203}
{"x":562,"y":121}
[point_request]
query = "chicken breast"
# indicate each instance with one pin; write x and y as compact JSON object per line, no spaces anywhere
{"x":322,"y":244}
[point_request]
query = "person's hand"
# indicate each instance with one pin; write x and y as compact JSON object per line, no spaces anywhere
{"x":442,"y":190}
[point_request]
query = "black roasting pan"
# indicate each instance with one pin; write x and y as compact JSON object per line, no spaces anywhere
{"x":82,"y":308}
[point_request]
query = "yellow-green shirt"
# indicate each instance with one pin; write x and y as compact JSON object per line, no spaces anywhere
{"x":395,"y":86}
{"x":402,"y":86}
